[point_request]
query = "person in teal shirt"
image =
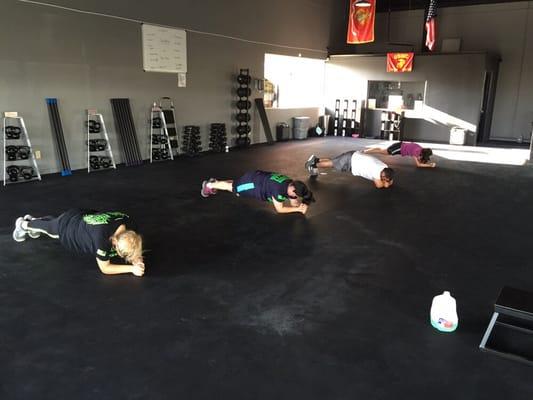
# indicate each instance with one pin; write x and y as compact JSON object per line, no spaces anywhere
{"x":265,"y":186}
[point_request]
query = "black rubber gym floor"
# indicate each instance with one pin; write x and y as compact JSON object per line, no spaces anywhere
{"x":240,"y":303}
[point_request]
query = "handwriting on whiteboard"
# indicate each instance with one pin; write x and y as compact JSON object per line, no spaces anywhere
{"x":164,"y":49}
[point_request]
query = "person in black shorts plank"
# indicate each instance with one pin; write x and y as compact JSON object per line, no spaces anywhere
{"x":266,"y":186}
{"x":421,"y":155}
{"x":102,"y":234}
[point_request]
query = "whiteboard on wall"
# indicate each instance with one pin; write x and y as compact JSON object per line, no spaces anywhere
{"x":164,"y":49}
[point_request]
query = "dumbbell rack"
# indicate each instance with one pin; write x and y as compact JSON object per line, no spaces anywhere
{"x":191,"y":144}
{"x":353,"y":118}
{"x":243,"y":106}
{"x":217,"y":138}
{"x":29,"y":173}
{"x":98,"y":158}
{"x":345,"y":118}
{"x":160,"y":149}
{"x":167,"y":106}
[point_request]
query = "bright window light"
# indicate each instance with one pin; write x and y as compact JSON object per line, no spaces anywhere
{"x":296,"y":82}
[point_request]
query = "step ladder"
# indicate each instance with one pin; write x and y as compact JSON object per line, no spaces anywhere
{"x":167,"y":106}
{"x":99,"y":153}
{"x":337,"y":117}
{"x":160,"y":149}
{"x":17,"y":150}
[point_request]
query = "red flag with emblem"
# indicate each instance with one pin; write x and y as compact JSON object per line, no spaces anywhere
{"x":361,"y":23}
{"x":400,"y":62}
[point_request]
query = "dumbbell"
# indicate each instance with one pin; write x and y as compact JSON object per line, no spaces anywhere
{"x":13,"y":132}
{"x":94,"y":126}
{"x":244,"y":79}
{"x":244,"y":104}
{"x":92,"y":145}
{"x":156,"y":123}
{"x":24,"y":152}
{"x":244,"y":92}
{"x":164,"y":154}
{"x":105,"y":162}
{"x":27,"y":172}
{"x":244,"y":129}
{"x":13,"y":172}
{"x":243,"y":117}
{"x":156,"y":154}
{"x":101,"y":144}
{"x":11,"y":152}
{"x":155,"y":139}
{"x":243,"y":141}
{"x":94,"y":162}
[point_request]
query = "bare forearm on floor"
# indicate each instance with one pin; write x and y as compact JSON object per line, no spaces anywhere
{"x":114,"y":269}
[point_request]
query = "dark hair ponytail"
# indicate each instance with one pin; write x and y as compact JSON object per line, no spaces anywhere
{"x":302,"y":191}
{"x":425,"y":154}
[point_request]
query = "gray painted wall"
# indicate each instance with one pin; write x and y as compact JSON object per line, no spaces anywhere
{"x":84,"y":60}
{"x":453,"y":91}
{"x":504,"y":29}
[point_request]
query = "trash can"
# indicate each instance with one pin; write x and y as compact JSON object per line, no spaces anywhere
{"x":300,"y":126}
{"x":457,"y":136}
{"x":283,"y":132}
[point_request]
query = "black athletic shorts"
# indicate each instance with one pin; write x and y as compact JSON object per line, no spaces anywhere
{"x":395,"y":149}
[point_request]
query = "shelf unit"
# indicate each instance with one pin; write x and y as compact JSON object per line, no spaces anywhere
{"x":16,"y":149}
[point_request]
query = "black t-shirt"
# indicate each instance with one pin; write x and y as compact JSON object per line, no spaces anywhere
{"x":263,"y":185}
{"x":88,"y":232}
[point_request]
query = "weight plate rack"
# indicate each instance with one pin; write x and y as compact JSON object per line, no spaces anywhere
{"x":243,"y":108}
{"x":167,"y":106}
{"x":126,"y":131}
{"x":160,"y":149}
{"x":17,"y":149}
{"x":57,"y":130}
{"x":99,"y":153}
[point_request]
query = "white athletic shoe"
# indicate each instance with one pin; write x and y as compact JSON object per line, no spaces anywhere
{"x":19,"y":234}
{"x":33,"y":235}
{"x":310,"y":165}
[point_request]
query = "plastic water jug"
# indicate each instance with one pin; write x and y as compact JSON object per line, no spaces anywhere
{"x":443,"y":314}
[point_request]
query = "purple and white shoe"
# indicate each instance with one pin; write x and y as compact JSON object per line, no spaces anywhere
{"x":207,"y":191}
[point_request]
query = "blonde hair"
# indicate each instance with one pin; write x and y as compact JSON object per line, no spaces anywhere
{"x":129,"y":246}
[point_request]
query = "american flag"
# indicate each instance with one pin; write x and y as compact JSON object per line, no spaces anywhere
{"x":430,"y":25}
